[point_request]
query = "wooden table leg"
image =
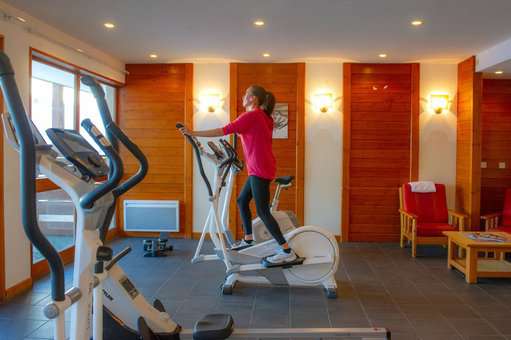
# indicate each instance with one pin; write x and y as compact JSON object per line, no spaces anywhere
{"x":471,"y":265}
{"x":450,"y":252}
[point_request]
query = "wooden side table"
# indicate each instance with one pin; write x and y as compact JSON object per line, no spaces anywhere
{"x":470,"y":264}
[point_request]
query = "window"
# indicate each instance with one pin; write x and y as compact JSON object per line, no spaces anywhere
{"x":53,"y":98}
{"x":89,"y":109}
{"x":56,"y":218}
{"x":59,"y":100}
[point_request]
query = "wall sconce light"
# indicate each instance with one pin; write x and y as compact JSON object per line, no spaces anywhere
{"x":439,"y":102}
{"x":210,"y":102}
{"x":323,"y":102}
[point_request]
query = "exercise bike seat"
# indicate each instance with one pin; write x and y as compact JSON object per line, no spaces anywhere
{"x":284,"y":180}
{"x":213,"y":327}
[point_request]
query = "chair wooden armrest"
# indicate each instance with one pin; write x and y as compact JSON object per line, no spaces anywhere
{"x":407,"y":214}
{"x":491,"y":221}
{"x":490,"y":216}
{"x":457,"y":219}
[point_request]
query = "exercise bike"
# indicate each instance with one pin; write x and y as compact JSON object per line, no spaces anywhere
{"x":316,"y":247}
{"x":98,"y":281}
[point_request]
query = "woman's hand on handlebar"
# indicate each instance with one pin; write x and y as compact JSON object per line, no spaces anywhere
{"x":184,"y":130}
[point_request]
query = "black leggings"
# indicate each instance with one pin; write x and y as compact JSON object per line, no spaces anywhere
{"x":259,"y":189}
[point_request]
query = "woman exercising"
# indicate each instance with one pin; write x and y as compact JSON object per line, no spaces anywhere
{"x":255,"y":127}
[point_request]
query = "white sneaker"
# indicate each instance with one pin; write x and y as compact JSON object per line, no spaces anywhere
{"x":240,"y":245}
{"x":281,"y":258}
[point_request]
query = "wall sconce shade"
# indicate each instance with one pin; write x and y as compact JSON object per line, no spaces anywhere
{"x":439,"y":102}
{"x":323,"y":102}
{"x":210,"y":102}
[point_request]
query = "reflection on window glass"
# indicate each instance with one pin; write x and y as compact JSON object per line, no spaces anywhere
{"x":89,"y":109}
{"x":53,"y":101}
{"x":56,"y":217}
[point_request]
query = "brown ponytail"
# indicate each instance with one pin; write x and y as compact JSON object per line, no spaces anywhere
{"x":265,"y":98}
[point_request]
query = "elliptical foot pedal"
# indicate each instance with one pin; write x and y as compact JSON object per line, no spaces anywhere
{"x":213,"y":327}
{"x":298,"y":261}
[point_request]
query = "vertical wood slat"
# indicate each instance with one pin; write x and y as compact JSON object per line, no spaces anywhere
{"x":287,"y":81}
{"x":415,"y":130}
{"x":379,"y":130}
{"x":188,"y":152}
{"x":155,"y":97}
{"x":346,"y":129}
{"x":468,"y":145}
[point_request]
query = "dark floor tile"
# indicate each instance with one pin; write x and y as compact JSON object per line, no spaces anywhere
{"x":17,"y":329}
{"x":472,"y":327}
{"x":309,"y":317}
{"x":502,"y":324}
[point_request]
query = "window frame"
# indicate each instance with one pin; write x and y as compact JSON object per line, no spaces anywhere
{"x":41,"y":268}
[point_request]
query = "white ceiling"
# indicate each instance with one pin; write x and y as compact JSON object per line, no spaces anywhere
{"x":296,"y":29}
{"x":505,"y":67}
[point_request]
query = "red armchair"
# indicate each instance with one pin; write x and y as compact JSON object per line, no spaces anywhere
{"x":424,"y":216}
{"x":500,"y":221}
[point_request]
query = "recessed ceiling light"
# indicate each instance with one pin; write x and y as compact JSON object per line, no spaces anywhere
{"x":153,"y":56}
{"x":259,"y":23}
{"x":499,"y":72}
{"x":21,"y":19}
{"x":266,"y":55}
{"x":417,"y":22}
{"x":79,"y":50}
{"x":382,"y":55}
{"x":109,"y":25}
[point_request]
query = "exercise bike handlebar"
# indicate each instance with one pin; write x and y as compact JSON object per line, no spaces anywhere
{"x":27,"y":152}
{"x":115,"y":134}
{"x":197,"y":150}
{"x":88,"y":200}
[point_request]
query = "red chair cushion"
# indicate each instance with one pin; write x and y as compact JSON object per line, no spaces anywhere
{"x":433,"y":229}
{"x":506,"y":212}
{"x":503,"y":229}
{"x":429,"y":207}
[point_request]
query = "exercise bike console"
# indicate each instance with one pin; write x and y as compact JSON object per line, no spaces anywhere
{"x":79,"y":152}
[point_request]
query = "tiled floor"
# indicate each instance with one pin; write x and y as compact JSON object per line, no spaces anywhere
{"x":380,"y":285}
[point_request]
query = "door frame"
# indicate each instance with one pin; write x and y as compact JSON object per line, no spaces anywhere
{"x":346,"y":129}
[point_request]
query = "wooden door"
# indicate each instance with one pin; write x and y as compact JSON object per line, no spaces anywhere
{"x":495,"y":143}
{"x":287,"y":82}
{"x":381,"y":104}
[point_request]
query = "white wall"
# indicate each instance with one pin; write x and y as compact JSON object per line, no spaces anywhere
{"x":323,"y":148}
{"x":437,"y":155}
{"x":207,"y":78}
{"x":17,"y":44}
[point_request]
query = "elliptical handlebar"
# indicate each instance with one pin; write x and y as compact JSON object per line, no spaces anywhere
{"x":197,"y":150}
{"x":116,"y":167}
{"x":27,"y":152}
{"x":114,"y":134}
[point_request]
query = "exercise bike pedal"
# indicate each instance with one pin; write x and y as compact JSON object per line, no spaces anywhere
{"x":298,"y":261}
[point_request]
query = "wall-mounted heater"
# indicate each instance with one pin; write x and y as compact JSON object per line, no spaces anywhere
{"x":155,"y":216}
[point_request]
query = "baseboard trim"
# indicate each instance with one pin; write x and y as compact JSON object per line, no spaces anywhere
{"x":18,"y":289}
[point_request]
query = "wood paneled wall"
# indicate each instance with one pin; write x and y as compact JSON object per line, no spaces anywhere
{"x":495,"y":143}
{"x":287,"y":82}
{"x":381,"y":141}
{"x":155,"y":97}
{"x":468,"y":149}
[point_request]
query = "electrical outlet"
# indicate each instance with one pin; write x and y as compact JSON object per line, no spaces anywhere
{"x":502,"y":165}
{"x":484,"y":165}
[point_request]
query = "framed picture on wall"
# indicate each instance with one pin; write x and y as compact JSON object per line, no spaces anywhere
{"x":280,"y":121}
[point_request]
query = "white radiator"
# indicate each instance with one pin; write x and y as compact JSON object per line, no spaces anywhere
{"x":143,"y":215}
